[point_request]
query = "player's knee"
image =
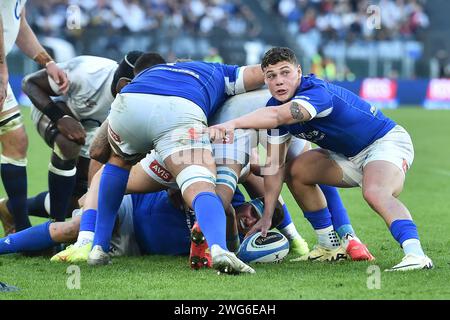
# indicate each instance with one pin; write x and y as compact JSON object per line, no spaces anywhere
{"x":293,"y":174}
{"x":66,"y":149}
{"x":17,"y":145}
{"x":375,"y":196}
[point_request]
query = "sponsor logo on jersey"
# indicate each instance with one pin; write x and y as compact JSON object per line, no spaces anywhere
{"x":114,"y":135}
{"x":160,"y":171}
{"x":313,"y":136}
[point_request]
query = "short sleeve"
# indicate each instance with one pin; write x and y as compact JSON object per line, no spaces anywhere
{"x":316,"y":101}
{"x":234,"y":79}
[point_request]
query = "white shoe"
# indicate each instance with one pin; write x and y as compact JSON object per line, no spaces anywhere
{"x":98,"y":257}
{"x":412,"y":262}
{"x":227,"y":262}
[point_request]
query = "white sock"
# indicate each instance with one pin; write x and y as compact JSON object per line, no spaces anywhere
{"x":84,"y":237}
{"x":290,"y":232}
{"x":412,"y":246}
{"x":328,"y":238}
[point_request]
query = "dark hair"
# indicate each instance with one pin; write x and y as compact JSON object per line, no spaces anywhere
{"x":125,"y":68}
{"x":147,"y":60}
{"x":278,"y":213}
{"x":278,"y":54}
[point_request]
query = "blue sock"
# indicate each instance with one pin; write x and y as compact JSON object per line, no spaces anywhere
{"x":405,"y":232}
{"x":112,"y":188}
{"x":287,"y":220}
{"x":320,"y":219}
{"x":31,"y":239}
{"x":88,"y":219}
{"x":36,"y":205}
{"x":211,"y":218}
{"x":15,"y":182}
{"x":339,"y":216}
{"x":60,"y":189}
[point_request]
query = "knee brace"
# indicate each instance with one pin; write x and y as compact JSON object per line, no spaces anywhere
{"x":227,"y":177}
{"x":47,"y":130}
{"x":193,"y":174}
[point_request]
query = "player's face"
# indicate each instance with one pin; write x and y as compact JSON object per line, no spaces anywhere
{"x":246,"y":217}
{"x":122,"y":83}
{"x":282,"y":80}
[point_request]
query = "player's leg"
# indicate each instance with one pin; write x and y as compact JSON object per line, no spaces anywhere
{"x":197,"y":183}
{"x":40,"y":237}
{"x":14,"y":143}
{"x":304,"y":173}
{"x":137,"y":111}
{"x":384,"y":165}
{"x":339,"y":216}
{"x":62,"y":167}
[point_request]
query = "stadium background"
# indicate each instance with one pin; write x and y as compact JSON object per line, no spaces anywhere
{"x":395,"y":53}
{"x":344,"y":41}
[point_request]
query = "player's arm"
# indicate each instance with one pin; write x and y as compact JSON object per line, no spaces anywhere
{"x":264,"y":118}
{"x":253,"y":77}
{"x":273,"y":183}
{"x":232,"y":234}
{"x":272,"y":117}
{"x":37,"y":87}
{"x":3,"y":67}
{"x":29,"y":44}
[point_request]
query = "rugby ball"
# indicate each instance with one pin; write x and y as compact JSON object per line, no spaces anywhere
{"x":272,"y":248}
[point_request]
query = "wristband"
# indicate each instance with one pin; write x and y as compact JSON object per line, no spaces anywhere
{"x":53,"y":112}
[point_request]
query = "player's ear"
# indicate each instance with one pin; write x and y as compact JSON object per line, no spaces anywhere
{"x":299,"y":69}
{"x":122,"y":83}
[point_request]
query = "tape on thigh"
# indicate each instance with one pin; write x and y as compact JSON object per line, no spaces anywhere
{"x":193,"y":174}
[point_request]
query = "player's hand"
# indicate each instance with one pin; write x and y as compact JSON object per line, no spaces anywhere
{"x":72,"y":129}
{"x":221,"y":133}
{"x":59,"y":76}
{"x":262,"y":225}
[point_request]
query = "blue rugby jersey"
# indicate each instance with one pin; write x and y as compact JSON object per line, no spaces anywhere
{"x":162,"y":229}
{"x":206,"y":84}
{"x":341,"y":121}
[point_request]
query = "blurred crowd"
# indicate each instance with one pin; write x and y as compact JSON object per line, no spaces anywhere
{"x":50,"y":17}
{"x":355,"y":19}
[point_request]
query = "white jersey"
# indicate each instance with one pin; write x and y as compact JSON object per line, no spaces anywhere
{"x":89,"y":96}
{"x":241,"y":104}
{"x":10,"y":11}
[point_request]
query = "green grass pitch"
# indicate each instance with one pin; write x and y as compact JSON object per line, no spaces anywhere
{"x":155,"y":277}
